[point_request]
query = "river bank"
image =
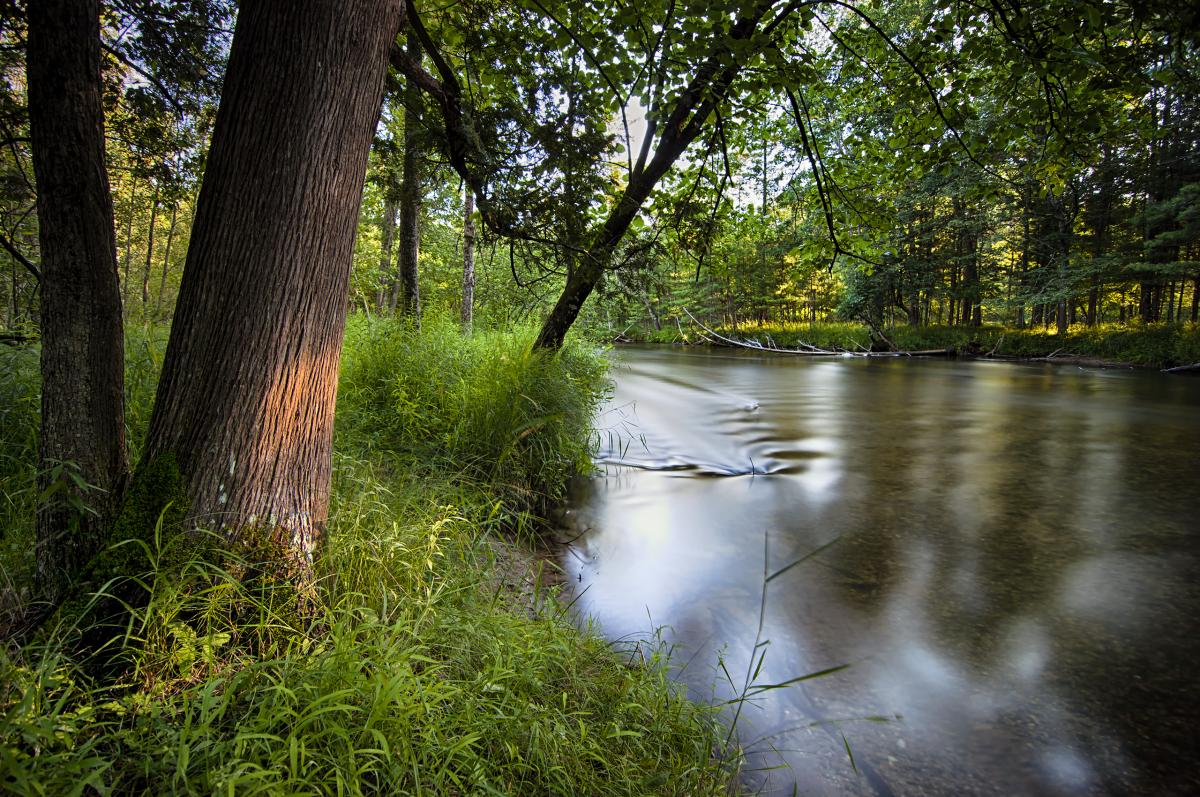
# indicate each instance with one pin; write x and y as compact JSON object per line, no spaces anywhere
{"x":1158,"y":346}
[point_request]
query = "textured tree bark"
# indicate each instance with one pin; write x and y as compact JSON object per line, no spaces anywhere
{"x":410,"y":198}
{"x":468,"y":285}
{"x":245,"y":403}
{"x":82,"y":339}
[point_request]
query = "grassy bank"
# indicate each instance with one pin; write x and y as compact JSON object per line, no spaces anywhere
{"x":426,"y":673}
{"x":1147,"y":345}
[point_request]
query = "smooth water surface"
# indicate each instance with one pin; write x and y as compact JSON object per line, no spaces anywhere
{"x":1013,"y":577}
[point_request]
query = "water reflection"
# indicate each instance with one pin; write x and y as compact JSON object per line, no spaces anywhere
{"x":1013,"y":579}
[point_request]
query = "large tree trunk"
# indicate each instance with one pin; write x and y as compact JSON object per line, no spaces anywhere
{"x":410,"y":198}
{"x":83,"y":428}
{"x":468,"y":285}
{"x":245,"y":404}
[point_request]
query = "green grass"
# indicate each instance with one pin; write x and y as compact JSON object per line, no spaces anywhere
{"x":425,"y":672}
{"x":1149,"y":345}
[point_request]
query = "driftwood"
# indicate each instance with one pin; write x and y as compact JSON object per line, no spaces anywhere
{"x":809,"y":350}
{"x":1182,"y":369}
{"x":1052,"y":355}
{"x":1086,"y":362}
{"x":16,"y":339}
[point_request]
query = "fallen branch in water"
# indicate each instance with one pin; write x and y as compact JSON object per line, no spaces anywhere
{"x":1182,"y":369}
{"x":620,"y":336}
{"x":809,"y":349}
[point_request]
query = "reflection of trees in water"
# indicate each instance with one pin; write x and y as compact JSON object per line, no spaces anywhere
{"x":1014,"y":494}
{"x":1027,"y":527}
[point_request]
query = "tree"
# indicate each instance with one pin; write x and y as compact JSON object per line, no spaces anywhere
{"x":407,"y":295}
{"x":83,"y":462}
{"x":244,"y":409}
{"x":468,"y":280}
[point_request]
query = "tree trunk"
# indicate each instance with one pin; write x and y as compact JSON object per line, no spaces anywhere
{"x":1093,"y":300}
{"x":468,"y":285}
{"x":128,"y":239}
{"x":15,"y":315}
{"x":410,"y":198}
{"x":681,"y":126}
{"x":245,"y":404}
{"x":1146,"y":301}
{"x":387,"y":227}
{"x":82,"y":360}
{"x":149,"y":253}
{"x":162,"y":285}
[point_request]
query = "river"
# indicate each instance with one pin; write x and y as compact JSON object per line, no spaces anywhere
{"x":1005,"y":558}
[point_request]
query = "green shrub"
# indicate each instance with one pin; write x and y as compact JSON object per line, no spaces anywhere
{"x":486,"y":407}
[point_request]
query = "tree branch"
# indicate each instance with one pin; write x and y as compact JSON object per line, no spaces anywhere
{"x":163,"y":91}
{"x":7,"y":245}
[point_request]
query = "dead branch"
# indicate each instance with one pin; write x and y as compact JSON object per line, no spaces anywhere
{"x":810,"y":350}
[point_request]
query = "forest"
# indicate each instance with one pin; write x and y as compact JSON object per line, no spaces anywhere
{"x":304,"y":319}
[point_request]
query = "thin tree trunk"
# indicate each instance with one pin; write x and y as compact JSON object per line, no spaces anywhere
{"x":681,"y":126}
{"x":387,"y":227}
{"x":149,"y":252}
{"x":14,"y":316}
{"x":1093,"y":300}
{"x":244,"y":410}
{"x":82,"y":360}
{"x":468,"y":283}
{"x":410,"y":198}
{"x":128,"y":239}
{"x":1065,"y":221}
{"x":162,"y":285}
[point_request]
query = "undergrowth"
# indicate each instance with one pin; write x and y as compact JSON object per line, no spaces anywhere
{"x":425,"y":672}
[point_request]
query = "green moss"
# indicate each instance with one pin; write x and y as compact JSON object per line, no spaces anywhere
{"x":145,"y":539}
{"x":149,"y":520}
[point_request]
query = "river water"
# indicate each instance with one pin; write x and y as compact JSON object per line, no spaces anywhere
{"x":1010,"y":572}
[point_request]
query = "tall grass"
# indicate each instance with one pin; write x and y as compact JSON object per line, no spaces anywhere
{"x":421,"y":674}
{"x":488,"y":407}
